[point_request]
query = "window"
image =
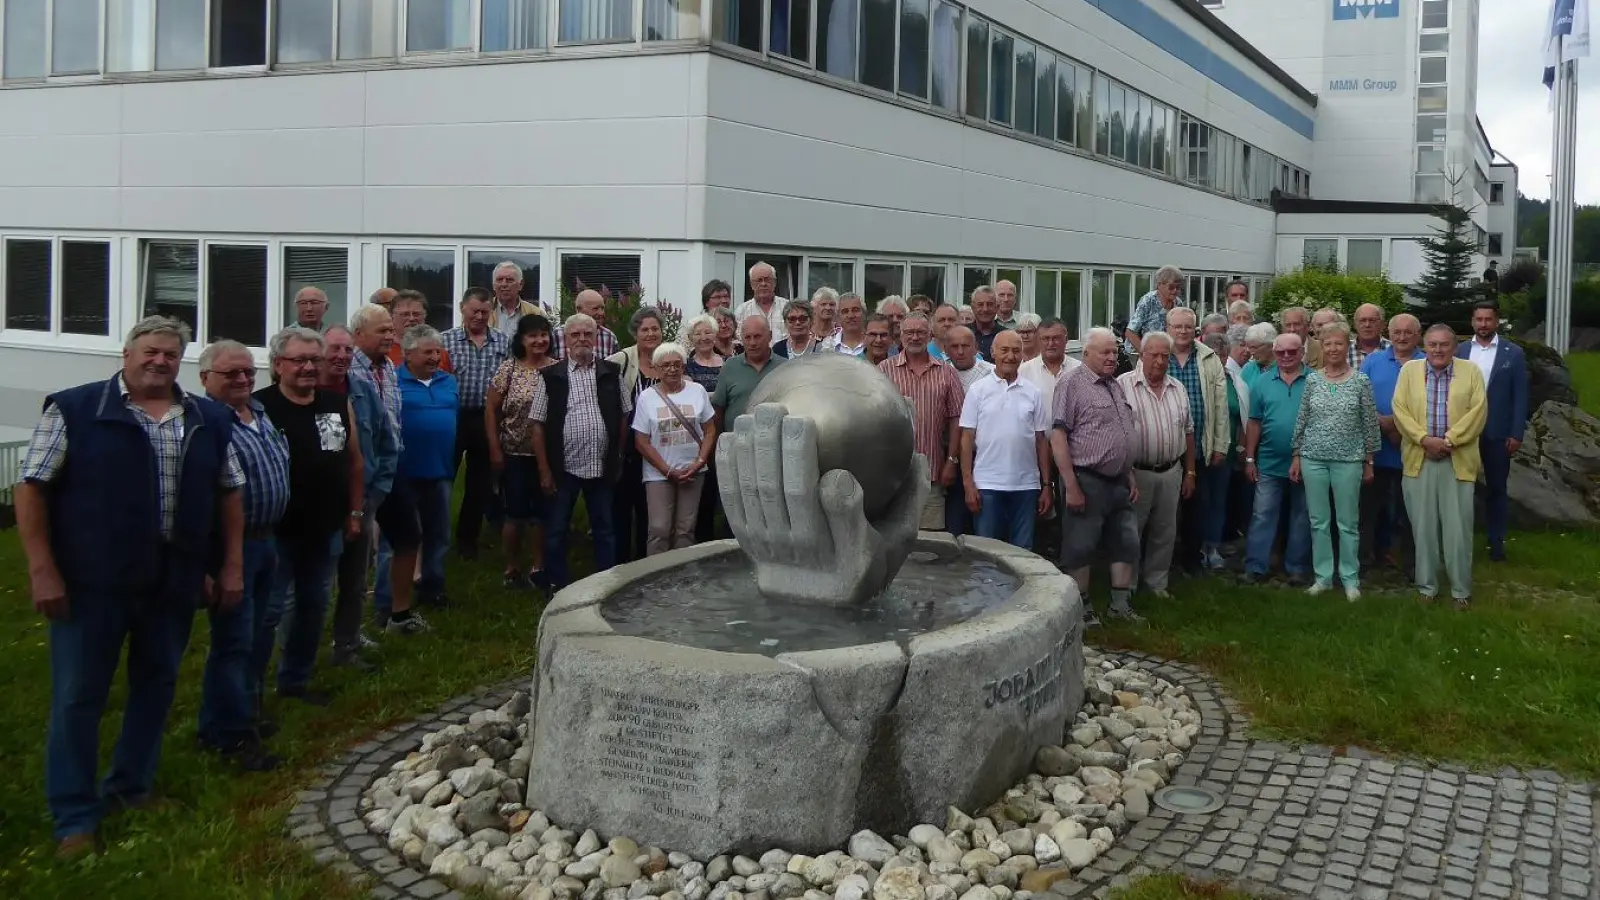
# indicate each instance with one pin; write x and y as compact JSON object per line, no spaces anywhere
{"x":615,"y":273}
{"x":1159,"y":138}
{"x":433,"y":272}
{"x":305,"y":31}
{"x":367,"y":28}
{"x":1119,"y":122}
{"x":170,"y":281}
{"x":790,"y":28}
{"x":520,"y":24}
{"x":86,"y":288}
{"x":1066,"y":103}
{"x":1435,"y":13}
{"x":1320,"y":252}
{"x":1497,"y":192}
{"x":1027,"y":60}
{"x":974,"y":277}
{"x":75,"y":37}
{"x":24,"y":26}
{"x":1045,"y":95}
{"x":790,"y":272}
{"x":1430,"y":160}
{"x":180,"y":36}
{"x":591,"y":21}
{"x":1433,"y":99}
{"x":837,"y":274}
{"x":1099,"y":298}
{"x":1070,"y":280}
{"x":883,"y":279}
{"x":1045,"y":284}
{"x":836,"y":36}
{"x":238,"y":33}
{"x":1143,"y":128}
{"x":914,"y":48}
{"x":977,"y":67}
{"x":1433,"y":70}
{"x":433,"y":25}
{"x":1000,"y":78}
{"x":236,"y":294}
{"x":1432,"y":189}
{"x":482,"y":263}
{"x":928,"y":280}
{"x":739,"y":22}
{"x":1497,"y":244}
{"x":1430,"y":129}
{"x":147,"y":35}
{"x":27,"y":284}
{"x":1433,"y":43}
{"x":944,"y":55}
{"x":325,"y":268}
{"x":1102,"y":116}
{"x":877,"y":43}
{"x":1364,"y":257}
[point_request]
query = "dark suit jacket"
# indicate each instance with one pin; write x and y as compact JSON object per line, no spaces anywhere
{"x":1508,"y":390}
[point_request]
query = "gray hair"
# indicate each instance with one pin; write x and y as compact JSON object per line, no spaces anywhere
{"x":160,"y":326}
{"x":1214,"y":319}
{"x":802,"y":305}
{"x":1241,"y":306}
{"x":760,"y":265}
{"x":1029,"y":320}
{"x":1338,"y":328}
{"x":1168,"y":275}
{"x":508,"y":264}
{"x":891,"y":301}
{"x":581,"y":319}
{"x":335,"y":327}
{"x":1440,"y":326}
{"x":851,"y":295}
{"x":217,"y":348}
{"x":1218,"y":342}
{"x":416,"y":336}
{"x":363,"y":317}
{"x":824,"y":293}
{"x":722,"y":312}
{"x":281,"y":340}
{"x":706,"y":319}
{"x":1182,"y":310}
{"x":1295,"y":309}
{"x":643,"y":315}
{"x":1156,"y":336}
{"x":669,"y":348}
{"x":312,"y":289}
{"x":1097,"y":332}
{"x":1261,"y":333}
{"x":982,"y":289}
{"x":1238,"y":335}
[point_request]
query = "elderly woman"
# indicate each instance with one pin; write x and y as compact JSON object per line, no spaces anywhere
{"x":1258,"y":339}
{"x":727,"y":333}
{"x":1150,"y":313}
{"x":505,"y":413}
{"x":1236,"y":510}
{"x":703,"y":368}
{"x":716,"y":294}
{"x":430,"y":400}
{"x":895,"y":308}
{"x":1027,"y":328}
{"x":1240,"y":312}
{"x":1238,"y":349}
{"x":799,"y":340}
{"x":639,"y":374}
{"x":965,"y":315}
{"x":825,"y":317}
{"x":676,"y":437}
{"x":1335,"y":437}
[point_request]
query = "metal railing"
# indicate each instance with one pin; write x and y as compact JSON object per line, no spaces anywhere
{"x":11,"y":453}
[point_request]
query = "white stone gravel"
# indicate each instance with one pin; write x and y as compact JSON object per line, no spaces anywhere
{"x":454,"y":808}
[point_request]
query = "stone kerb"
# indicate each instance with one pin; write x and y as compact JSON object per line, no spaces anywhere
{"x":708,"y":752}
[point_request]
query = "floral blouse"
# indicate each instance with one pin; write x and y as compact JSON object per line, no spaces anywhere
{"x":516,"y":384}
{"x":1338,"y":420}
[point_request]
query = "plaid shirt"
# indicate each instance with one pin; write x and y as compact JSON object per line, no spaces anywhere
{"x":1438,"y":390}
{"x":1189,"y":377}
{"x":47,"y":452}
{"x":475,"y":365}
{"x":583,"y":435}
{"x":1359,"y":356}
{"x":264,"y":456}
{"x":605,"y":343}
{"x":383,"y":375}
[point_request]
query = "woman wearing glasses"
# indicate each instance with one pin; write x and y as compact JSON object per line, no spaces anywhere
{"x":675,"y":435}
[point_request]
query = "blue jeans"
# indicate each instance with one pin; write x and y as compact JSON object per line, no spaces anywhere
{"x":1008,"y":516}
{"x":301,"y":591}
{"x":241,"y":645}
{"x":382,"y":595}
{"x":1213,"y":485}
{"x":1273,"y":494}
{"x":85,"y":648}
{"x":597,"y":498}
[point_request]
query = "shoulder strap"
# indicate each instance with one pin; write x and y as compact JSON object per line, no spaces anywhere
{"x":693,"y":428}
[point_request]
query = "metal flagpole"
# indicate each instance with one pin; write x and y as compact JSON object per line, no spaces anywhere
{"x":1559,"y":313}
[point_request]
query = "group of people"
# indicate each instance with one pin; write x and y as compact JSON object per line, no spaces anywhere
{"x":275,"y":507}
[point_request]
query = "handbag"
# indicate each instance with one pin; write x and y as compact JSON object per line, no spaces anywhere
{"x":692,"y":427}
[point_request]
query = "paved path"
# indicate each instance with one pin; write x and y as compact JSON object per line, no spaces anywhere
{"x":1297,"y":822}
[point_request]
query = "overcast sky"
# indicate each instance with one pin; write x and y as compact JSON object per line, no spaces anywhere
{"x":1515,"y":106}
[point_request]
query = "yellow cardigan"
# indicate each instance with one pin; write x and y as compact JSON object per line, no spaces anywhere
{"x":1468,"y":408}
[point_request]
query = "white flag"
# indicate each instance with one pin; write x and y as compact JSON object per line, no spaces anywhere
{"x":1568,"y":36}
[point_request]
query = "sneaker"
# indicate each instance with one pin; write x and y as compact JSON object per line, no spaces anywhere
{"x":1214,"y":561}
{"x":1318,"y":587}
{"x":364,"y":642}
{"x":413,"y":625}
{"x":1352,"y":593}
{"x":514,"y":581}
{"x":1463,"y":604}
{"x":1090,"y":620}
{"x":1126,"y":614}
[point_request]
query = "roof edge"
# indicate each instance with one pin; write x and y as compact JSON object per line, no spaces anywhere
{"x":1311,"y":206}
{"x":1235,"y":40}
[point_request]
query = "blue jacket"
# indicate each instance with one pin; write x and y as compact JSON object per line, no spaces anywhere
{"x":105,"y":516}
{"x":428,"y":425}
{"x":1508,"y":390}
{"x":380,"y":446}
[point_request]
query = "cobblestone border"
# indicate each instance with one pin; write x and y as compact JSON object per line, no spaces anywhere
{"x":1297,"y":821}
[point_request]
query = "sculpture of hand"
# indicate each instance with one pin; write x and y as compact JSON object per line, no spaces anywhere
{"x":808,"y":535}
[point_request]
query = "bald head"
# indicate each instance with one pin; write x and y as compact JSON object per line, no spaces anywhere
{"x":1286,"y":352}
{"x":756,"y":335}
{"x":1006,"y":351}
{"x":590,"y":303}
{"x":383,"y":297}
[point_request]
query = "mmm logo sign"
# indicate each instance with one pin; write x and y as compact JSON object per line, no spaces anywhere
{"x":1345,"y":10}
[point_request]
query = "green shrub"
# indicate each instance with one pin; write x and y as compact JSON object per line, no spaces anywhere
{"x":1318,"y":286}
{"x":620,"y":308}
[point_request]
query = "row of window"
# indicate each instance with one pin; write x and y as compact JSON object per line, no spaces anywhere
{"x":1433,"y":102}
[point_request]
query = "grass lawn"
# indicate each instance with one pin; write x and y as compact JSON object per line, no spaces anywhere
{"x":1585,"y":368}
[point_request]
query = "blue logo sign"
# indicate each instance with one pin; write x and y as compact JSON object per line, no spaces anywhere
{"x":1349,"y":10}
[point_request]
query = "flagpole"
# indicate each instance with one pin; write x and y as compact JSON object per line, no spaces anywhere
{"x":1558,"y":315}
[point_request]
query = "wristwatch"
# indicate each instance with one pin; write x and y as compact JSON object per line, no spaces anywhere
{"x":952,"y":460}
{"x":357,"y":514}
{"x":1250,"y":460}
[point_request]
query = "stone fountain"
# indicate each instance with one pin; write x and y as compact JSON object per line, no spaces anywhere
{"x":829,"y":671}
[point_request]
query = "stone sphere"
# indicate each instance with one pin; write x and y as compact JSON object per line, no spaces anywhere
{"x":863,"y":423}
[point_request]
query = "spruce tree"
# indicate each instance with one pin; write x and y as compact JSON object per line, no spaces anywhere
{"x":1449,"y":287}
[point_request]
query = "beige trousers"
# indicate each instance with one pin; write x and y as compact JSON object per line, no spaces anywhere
{"x":672,"y":508}
{"x":933,"y":510}
{"x":1157,"y":515}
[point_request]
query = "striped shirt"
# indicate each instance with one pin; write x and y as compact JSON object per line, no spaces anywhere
{"x":264,"y":456}
{"x":384,"y":376}
{"x":1438,"y":390}
{"x":970,"y":377}
{"x":936,"y":395}
{"x":475,"y":365}
{"x":47,"y":452}
{"x":774,"y":316}
{"x":1095,"y":414}
{"x":605,"y":343}
{"x":1161,"y":423}
{"x":583,"y":434}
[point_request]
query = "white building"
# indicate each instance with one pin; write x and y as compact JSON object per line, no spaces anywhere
{"x":207,"y":158}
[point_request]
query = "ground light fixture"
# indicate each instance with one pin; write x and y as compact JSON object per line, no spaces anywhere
{"x":1188,"y":800}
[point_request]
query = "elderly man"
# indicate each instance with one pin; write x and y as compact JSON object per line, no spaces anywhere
{"x":242,"y":637}
{"x":1296,"y":320}
{"x":1093,"y":445}
{"x":798,"y":339}
{"x":961,"y":346}
{"x":430,"y":408}
{"x":383,"y":297}
{"x":935,"y":395}
{"x":1163,"y":455}
{"x":1505,"y":376}
{"x":592,"y":304}
{"x":128,"y":496}
{"x":895,"y":309}
{"x":1046,"y":369}
{"x":764,"y":300}
{"x":880,"y":339}
{"x":1440,"y":408}
{"x":508,"y":307}
{"x":1259,"y":339}
{"x":1268,"y":451}
{"x":1382,"y":506}
{"x":477,"y":351}
{"x":944,"y":318}
{"x":1150,"y":313}
{"x":1215,"y":323}
{"x":580,"y":419}
{"x":1311,"y":346}
{"x":1204,"y":377}
{"x":326,"y":501}
{"x":1005,"y":451}
{"x":1369,"y":337}
{"x":1005,"y":294}
{"x":985,"y":319}
{"x":379,"y":441}
{"x":310,"y":305}
{"x":411,"y":310}
{"x":741,"y":374}
{"x":852,"y":337}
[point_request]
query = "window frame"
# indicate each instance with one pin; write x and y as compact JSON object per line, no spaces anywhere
{"x":352,"y":278}
{"x":203,"y":243}
{"x":55,"y":337}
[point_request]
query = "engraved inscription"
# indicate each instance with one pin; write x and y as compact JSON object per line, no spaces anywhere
{"x":1032,"y":688}
{"x":652,"y":747}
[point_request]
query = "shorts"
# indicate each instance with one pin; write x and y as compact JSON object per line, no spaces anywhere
{"x":520,"y":495}
{"x":397,"y":517}
{"x":1106,"y":529}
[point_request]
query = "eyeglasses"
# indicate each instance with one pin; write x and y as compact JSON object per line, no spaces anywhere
{"x":669,"y":366}
{"x":301,"y":361}
{"x":1285,"y":352}
{"x":234,"y":374}
{"x":797,"y":320}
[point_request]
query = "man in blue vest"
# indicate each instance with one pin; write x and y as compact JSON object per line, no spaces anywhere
{"x":1505,"y":372}
{"x":128,"y":496}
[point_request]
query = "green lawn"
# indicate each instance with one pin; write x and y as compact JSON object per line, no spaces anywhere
{"x":1585,"y":368}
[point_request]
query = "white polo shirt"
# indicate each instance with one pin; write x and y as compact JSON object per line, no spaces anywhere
{"x":1007,"y":418}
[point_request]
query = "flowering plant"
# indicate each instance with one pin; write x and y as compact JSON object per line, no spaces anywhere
{"x":620,"y":308}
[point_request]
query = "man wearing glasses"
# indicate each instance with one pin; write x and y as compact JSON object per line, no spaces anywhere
{"x":326,"y":500}
{"x":1269,"y":449}
{"x":310,"y":305}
